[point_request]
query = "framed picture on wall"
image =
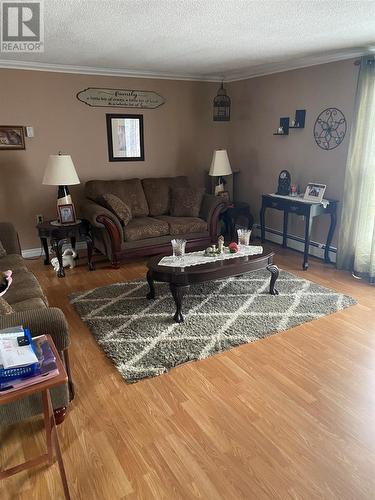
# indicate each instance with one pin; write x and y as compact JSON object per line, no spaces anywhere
{"x":125,"y":137}
{"x":12,"y":137}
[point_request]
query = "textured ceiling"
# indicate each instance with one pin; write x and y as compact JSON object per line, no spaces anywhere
{"x":203,"y":39}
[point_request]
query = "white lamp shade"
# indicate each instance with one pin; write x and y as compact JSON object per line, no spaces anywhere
{"x":220,"y":164}
{"x":60,"y":171}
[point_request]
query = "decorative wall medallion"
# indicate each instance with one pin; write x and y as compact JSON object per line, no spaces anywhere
{"x":330,"y":128}
{"x":120,"y":98}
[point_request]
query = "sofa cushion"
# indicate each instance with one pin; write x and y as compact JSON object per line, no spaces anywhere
{"x":5,"y":307}
{"x":145,"y":227}
{"x":25,"y":286}
{"x":184,"y":225}
{"x":186,"y":202}
{"x":130,"y":191}
{"x":118,"y":207}
{"x":29,"y":304}
{"x":12,"y":261}
{"x":157,"y":192}
{"x":3,"y":252}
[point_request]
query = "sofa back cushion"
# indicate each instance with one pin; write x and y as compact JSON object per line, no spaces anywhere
{"x":186,"y":202}
{"x":130,"y":191}
{"x":158,"y":192}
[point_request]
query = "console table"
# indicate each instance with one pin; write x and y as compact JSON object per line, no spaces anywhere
{"x":308,"y":210}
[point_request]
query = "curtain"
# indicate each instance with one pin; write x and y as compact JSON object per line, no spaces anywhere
{"x":356,"y":248}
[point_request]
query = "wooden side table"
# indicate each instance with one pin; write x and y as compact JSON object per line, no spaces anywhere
{"x":230,"y":215}
{"x":52,"y":439}
{"x":59,"y":234}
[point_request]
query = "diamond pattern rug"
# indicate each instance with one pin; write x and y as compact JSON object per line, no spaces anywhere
{"x":142,"y":340}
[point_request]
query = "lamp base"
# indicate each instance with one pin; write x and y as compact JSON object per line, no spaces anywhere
{"x":219,"y":186}
{"x":63,"y":196}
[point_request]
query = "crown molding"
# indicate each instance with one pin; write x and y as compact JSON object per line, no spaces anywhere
{"x":298,"y":63}
{"x":86,"y":70}
{"x":234,"y":76}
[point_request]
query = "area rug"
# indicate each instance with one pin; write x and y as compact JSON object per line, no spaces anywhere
{"x":142,"y":340}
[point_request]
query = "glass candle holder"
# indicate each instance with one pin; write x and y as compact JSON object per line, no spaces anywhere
{"x":178,"y":247}
{"x":243,"y":236}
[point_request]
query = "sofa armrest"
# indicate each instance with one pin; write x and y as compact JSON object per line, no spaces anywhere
{"x":210,"y":205}
{"x":94,"y":212}
{"x":44,"y":321}
{"x":211,"y":208}
{"x":9,"y":238}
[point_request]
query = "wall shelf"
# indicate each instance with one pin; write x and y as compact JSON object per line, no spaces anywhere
{"x":284,"y":124}
{"x":299,"y":119}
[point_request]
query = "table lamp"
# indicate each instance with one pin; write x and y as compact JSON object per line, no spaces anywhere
{"x":220,"y":166}
{"x":60,"y":171}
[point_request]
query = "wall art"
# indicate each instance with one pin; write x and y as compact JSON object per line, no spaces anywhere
{"x":125,"y":137}
{"x":122,"y":98}
{"x":12,"y":137}
{"x":330,"y":128}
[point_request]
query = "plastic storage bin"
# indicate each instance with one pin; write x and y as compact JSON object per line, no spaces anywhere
{"x":20,"y":372}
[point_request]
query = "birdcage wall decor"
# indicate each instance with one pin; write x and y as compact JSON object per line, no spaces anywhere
{"x":221,"y":105}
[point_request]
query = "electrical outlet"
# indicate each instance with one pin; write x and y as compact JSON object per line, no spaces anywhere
{"x":39,"y":218}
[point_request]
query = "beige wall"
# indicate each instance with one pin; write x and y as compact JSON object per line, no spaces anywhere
{"x":179,"y":137}
{"x":257,"y":105}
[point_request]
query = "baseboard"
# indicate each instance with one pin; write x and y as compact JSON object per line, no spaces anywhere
{"x":32,"y":253}
{"x":297,"y":243}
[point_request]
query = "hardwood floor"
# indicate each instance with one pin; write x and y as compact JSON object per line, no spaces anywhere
{"x":290,"y":416}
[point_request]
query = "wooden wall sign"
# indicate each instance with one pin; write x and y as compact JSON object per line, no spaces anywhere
{"x":120,"y":98}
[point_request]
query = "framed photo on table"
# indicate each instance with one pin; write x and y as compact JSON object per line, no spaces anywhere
{"x":67,"y":214}
{"x":12,"y":137}
{"x":314,"y":192}
{"x":125,"y":137}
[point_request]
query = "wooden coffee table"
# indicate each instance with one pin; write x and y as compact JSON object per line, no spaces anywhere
{"x":180,"y":278}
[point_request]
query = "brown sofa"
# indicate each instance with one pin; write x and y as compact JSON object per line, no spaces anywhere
{"x":31,"y":310}
{"x":152,"y":227}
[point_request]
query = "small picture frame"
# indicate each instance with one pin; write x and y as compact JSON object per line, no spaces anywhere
{"x":224,"y":195}
{"x":67,"y":214}
{"x":12,"y":137}
{"x":314,"y":192}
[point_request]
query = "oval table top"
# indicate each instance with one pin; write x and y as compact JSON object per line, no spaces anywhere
{"x":212,"y":270}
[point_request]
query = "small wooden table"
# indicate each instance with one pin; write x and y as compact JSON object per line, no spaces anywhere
{"x":59,"y":234}
{"x":231,"y":213}
{"x":180,"y":278}
{"x":49,"y":421}
{"x":308,"y":210}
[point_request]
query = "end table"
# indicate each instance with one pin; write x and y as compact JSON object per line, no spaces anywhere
{"x":49,"y":421}
{"x":230,"y":215}
{"x":59,"y":234}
